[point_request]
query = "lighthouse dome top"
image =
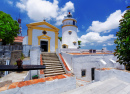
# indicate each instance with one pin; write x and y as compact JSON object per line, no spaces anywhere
{"x":69,"y":17}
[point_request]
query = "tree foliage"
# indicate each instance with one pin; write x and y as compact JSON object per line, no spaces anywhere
{"x":122,"y":50}
{"x":60,"y":38}
{"x":79,"y":43}
{"x":9,"y":28}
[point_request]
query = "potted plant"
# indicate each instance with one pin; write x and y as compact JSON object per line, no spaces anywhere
{"x":35,"y":77}
{"x":19,"y":63}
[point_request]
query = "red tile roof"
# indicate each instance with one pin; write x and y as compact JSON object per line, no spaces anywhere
{"x":18,"y":39}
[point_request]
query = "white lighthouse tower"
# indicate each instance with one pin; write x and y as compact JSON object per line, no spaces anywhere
{"x":69,"y":32}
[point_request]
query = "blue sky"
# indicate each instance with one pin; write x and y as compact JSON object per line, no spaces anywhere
{"x":97,"y":20}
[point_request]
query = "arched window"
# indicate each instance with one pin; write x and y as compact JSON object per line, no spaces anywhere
{"x":70,"y":32}
{"x":74,"y":43}
{"x":64,"y":46}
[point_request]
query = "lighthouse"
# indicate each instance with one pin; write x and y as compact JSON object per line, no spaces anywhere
{"x":69,"y":32}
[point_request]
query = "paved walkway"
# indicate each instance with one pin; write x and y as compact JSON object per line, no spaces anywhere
{"x":14,"y":76}
{"x":110,"y":86}
{"x":80,"y":83}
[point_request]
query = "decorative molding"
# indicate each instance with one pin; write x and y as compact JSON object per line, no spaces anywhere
{"x":42,"y":23}
{"x":69,"y":25}
{"x":69,"y":19}
{"x":44,"y":37}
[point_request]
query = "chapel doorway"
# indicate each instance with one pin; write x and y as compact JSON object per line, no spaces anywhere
{"x":44,"y":46}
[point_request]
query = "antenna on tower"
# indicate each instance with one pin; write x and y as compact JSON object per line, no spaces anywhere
{"x":19,"y":22}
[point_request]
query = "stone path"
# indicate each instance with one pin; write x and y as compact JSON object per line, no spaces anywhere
{"x":110,"y":86}
{"x":80,"y":83}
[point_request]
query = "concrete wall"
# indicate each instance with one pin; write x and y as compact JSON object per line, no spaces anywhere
{"x":57,"y":53}
{"x":59,"y":44}
{"x":15,"y":55}
{"x":37,"y":33}
{"x":35,"y":58}
{"x":28,"y":76}
{"x":26,"y":50}
{"x":101,"y":75}
{"x":68,"y":60}
{"x":49,"y":87}
{"x":86,"y":62}
{"x":25,"y":40}
{"x":26,"y":62}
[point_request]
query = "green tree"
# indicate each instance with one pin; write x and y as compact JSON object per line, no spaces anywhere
{"x":9,"y":28}
{"x":60,"y":38}
{"x":79,"y":43}
{"x":122,"y":50}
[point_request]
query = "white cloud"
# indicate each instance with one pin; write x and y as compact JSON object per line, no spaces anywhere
{"x":38,"y":10}
{"x":92,"y":44}
{"x":104,"y":45}
{"x":112,"y":22}
{"x":10,"y":2}
{"x":78,"y":30}
{"x":83,"y":27}
{"x":95,"y":37}
{"x":109,"y":44}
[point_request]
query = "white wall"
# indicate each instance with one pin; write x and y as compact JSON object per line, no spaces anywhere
{"x":67,"y":22}
{"x":25,"y":40}
{"x":49,"y":87}
{"x":59,"y":44}
{"x":35,"y":59}
{"x":26,"y":50}
{"x":37,"y":33}
{"x":68,"y":60}
{"x":44,"y":26}
{"x":79,"y":62}
{"x":101,"y":75}
{"x":69,"y":39}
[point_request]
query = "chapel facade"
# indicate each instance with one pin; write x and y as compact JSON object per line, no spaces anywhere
{"x":42,"y":34}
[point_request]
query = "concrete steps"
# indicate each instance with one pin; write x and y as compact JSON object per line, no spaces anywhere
{"x":54,"y":74}
{"x":50,"y":58}
{"x":53,"y":65}
{"x":51,"y":61}
{"x":47,"y":69}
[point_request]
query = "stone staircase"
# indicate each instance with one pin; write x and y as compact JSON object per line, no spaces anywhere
{"x":52,"y":63}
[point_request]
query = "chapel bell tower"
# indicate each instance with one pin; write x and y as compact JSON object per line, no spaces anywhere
{"x":69,"y":32}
